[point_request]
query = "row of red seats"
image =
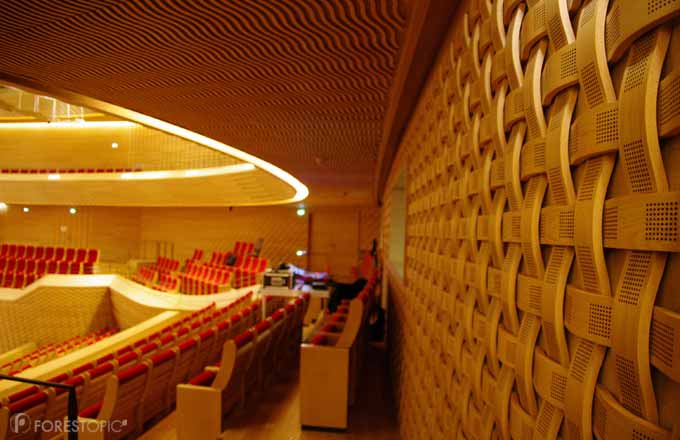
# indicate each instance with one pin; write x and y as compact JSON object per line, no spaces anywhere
{"x":244,"y":248}
{"x":40,"y":267}
{"x":17,"y":274}
{"x":246,"y":273}
{"x":162,"y":281}
{"x":166,"y":283}
{"x":11,"y":280}
{"x":172,"y":354}
{"x":201,"y":279}
{"x":51,"y":351}
{"x":248,"y":365}
{"x":67,"y":170}
{"x":159,"y":275}
{"x":336,"y":349}
{"x":220,"y":259}
{"x":208,"y":278}
{"x":197,"y":255}
{"x":145,"y":275}
{"x":329,"y":329}
{"x":241,"y":249}
{"x":165,"y":264}
{"x":48,"y":253}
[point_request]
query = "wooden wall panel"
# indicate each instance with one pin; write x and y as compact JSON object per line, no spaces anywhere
{"x":540,"y":298}
{"x":80,"y":311}
{"x":115,"y":231}
{"x":335,"y":241}
{"x":342,"y":235}
{"x":369,"y":228}
{"x":217,"y":229}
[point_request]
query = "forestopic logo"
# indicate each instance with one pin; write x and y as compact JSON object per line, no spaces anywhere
{"x":20,"y":423}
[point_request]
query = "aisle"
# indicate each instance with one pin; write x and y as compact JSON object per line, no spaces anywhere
{"x":277,"y":417}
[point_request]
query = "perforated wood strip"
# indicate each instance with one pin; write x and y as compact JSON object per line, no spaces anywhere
{"x":543,"y":252}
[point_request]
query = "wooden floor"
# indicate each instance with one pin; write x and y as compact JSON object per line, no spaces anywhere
{"x":277,"y":417}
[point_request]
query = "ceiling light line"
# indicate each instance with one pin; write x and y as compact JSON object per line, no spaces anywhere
{"x":68,"y":124}
{"x":301,"y":190}
{"x":137,"y":175}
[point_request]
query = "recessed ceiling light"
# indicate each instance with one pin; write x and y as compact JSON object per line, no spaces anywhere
{"x":72,"y":211}
{"x":300,"y":252}
{"x":3,"y":206}
{"x":26,"y":209}
{"x":301,"y":212}
{"x":114,"y":145}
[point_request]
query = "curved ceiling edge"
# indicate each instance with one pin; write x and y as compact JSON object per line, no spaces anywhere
{"x":301,"y":190}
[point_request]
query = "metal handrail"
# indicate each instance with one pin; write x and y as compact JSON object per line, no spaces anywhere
{"x":72,"y":415}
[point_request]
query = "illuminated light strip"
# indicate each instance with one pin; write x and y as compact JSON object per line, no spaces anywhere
{"x":230,"y":169}
{"x":137,"y":175}
{"x":68,"y":124}
{"x":146,"y":175}
{"x":301,"y":191}
{"x":200,"y":172}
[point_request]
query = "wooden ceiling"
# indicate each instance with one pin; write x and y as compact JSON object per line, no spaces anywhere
{"x":302,"y":84}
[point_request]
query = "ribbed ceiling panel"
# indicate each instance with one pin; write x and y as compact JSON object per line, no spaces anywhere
{"x":303,"y":84}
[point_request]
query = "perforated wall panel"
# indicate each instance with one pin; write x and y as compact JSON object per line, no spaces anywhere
{"x":541,"y":295}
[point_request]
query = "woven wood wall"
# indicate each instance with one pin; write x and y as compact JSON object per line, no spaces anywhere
{"x":541,"y":296}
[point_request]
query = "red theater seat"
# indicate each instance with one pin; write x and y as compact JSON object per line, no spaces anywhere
{"x":52,"y":266}
{"x":63,"y":267}
{"x":7,"y":279}
{"x":91,"y":411}
{"x":30,"y":279}
{"x":197,"y":255}
{"x":19,"y":281}
{"x":59,"y":253}
{"x":81,"y":255}
{"x":319,"y":340}
{"x":41,"y":268}
{"x":157,"y":397}
{"x":20,"y":266}
{"x":74,"y":268}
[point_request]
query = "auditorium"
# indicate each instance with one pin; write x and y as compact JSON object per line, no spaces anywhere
{"x":340,"y":219}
